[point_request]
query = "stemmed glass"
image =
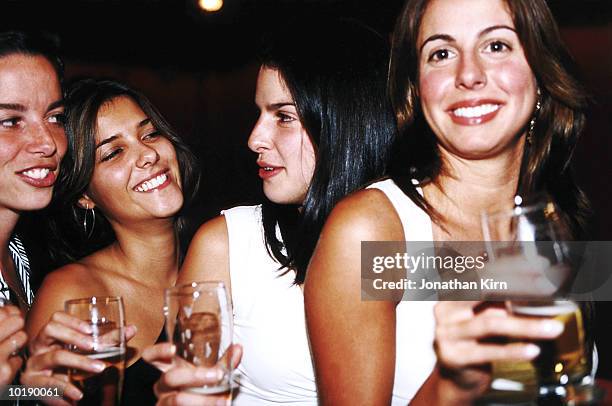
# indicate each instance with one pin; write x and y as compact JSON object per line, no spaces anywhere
{"x":106,"y":315}
{"x":528,"y":245}
{"x":199,"y":323}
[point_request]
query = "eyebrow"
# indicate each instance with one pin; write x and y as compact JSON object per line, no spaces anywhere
{"x":22,"y":108}
{"x":12,"y":106}
{"x":114,"y":137}
{"x":449,"y":38}
{"x":276,"y":106}
{"x":56,"y":104}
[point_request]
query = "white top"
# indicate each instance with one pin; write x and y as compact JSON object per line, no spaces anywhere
{"x":415,"y":324}
{"x":269,"y":322}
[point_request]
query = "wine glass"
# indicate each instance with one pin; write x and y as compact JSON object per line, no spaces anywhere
{"x":106,"y":316}
{"x":527,"y":245}
{"x":199,"y":323}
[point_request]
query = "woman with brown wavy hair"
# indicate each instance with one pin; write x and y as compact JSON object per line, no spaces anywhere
{"x":488,"y":109}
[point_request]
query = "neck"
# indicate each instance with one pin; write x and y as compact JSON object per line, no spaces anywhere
{"x":147,"y":252}
{"x":466,"y":188}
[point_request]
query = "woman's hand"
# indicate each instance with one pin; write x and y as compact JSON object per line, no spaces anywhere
{"x":12,"y":339}
{"x":179,"y":375}
{"x":49,"y":356}
{"x":463,"y":341}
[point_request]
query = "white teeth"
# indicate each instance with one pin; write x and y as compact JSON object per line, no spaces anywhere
{"x":268,"y":169}
{"x":37,"y":173}
{"x":477,"y":111}
{"x":151,"y":183}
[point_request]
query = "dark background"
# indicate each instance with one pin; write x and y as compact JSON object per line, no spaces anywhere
{"x":199,"y":69}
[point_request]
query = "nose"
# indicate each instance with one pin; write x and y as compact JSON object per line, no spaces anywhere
{"x":259,"y":140}
{"x":43,"y":140}
{"x":147,"y":156}
{"x":470,"y":72}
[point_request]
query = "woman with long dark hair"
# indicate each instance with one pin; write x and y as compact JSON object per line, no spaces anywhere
{"x":126,"y":178}
{"x":324,"y":130}
{"x":489,"y":109}
{"x":32,"y":143}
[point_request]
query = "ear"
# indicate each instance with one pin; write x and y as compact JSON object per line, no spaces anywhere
{"x":85,"y":202}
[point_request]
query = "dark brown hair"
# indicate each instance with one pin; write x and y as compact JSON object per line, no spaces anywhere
{"x":84,"y":100}
{"x":560,"y":121}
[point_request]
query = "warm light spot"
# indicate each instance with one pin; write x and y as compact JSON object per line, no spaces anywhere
{"x":210,"y":5}
{"x":558,"y":367}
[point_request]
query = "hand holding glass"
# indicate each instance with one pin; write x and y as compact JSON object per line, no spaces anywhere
{"x":527,"y":241}
{"x":199,"y":323}
{"x":106,"y":316}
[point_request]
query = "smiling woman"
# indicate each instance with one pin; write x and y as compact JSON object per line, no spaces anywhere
{"x":32,"y":143}
{"x":127,"y":175}
{"x":488,"y":108}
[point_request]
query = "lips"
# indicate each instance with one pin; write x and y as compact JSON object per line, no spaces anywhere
{"x":474,"y":112}
{"x":156,"y":182}
{"x":266,"y":170}
{"x":39,"y":176}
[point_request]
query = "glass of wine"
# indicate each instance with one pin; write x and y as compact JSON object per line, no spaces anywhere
{"x":106,"y":315}
{"x":199,"y":323}
{"x":528,"y":244}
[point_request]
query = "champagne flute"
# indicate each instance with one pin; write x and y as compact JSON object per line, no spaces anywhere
{"x":199,"y":323}
{"x":106,"y":315}
{"x":526,"y":244}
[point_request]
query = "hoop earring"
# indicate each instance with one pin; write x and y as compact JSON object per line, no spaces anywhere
{"x":532,"y":122}
{"x":93,"y":221}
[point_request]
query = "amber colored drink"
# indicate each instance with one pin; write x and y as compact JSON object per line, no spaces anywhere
{"x":562,"y":360}
{"x":103,"y":388}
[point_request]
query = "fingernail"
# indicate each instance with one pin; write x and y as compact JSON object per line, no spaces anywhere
{"x":99,"y":366}
{"x":551,"y":327}
{"x":532,"y":350}
{"x":209,"y":373}
{"x":87,"y":328}
{"x":173,"y":349}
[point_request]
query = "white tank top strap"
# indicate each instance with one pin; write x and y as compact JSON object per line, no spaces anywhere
{"x":416,"y":222}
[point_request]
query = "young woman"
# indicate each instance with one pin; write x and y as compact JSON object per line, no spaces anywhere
{"x":129,"y":175}
{"x":482,"y":91}
{"x":324,"y":130}
{"x":32,"y":143}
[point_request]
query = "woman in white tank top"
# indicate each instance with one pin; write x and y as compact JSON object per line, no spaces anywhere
{"x":484,"y":99}
{"x":324,"y":130}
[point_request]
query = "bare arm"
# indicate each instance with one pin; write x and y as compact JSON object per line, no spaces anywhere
{"x":208,"y":255}
{"x":353,"y":341}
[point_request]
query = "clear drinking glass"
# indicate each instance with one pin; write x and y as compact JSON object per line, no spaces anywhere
{"x":527,"y":244}
{"x":199,"y":323}
{"x":106,"y":315}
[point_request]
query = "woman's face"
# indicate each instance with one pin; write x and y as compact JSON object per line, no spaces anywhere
{"x":136,"y":175}
{"x":286,"y":156}
{"x":476,"y":88}
{"x":32,"y":138}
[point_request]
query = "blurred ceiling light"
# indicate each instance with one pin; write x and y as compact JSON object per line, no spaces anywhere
{"x":210,"y":5}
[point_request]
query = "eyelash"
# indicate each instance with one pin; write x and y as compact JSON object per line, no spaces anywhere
{"x":284,"y":118}
{"x":13,"y":121}
{"x":111,"y":154}
{"x":505,"y":46}
{"x":60,"y":118}
{"x":436,"y":55}
{"x":152,"y":134}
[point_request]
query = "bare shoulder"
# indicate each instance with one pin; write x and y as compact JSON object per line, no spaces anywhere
{"x":367,"y":215}
{"x":208,"y":254}
{"x":212,"y":237}
{"x":68,"y":282}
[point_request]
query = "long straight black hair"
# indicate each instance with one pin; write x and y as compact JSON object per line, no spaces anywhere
{"x":336,"y":74}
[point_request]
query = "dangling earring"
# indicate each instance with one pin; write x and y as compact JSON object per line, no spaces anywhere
{"x":93,"y":220}
{"x":533,"y":120}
